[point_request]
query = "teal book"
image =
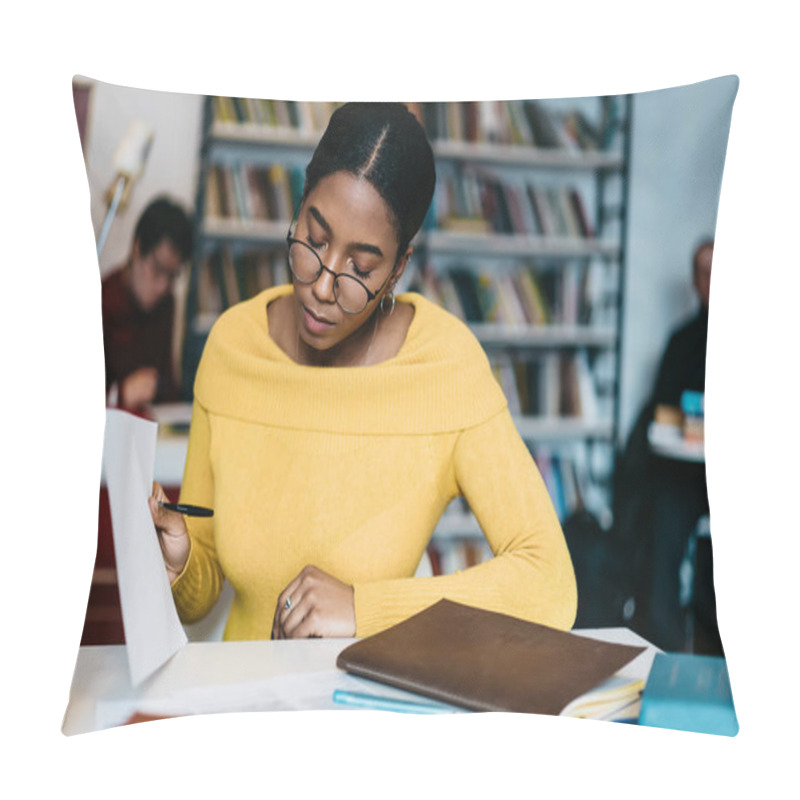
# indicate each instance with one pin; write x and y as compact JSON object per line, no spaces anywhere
{"x":689,"y":693}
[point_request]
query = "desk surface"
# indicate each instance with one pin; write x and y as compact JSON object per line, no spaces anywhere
{"x":205,"y":677}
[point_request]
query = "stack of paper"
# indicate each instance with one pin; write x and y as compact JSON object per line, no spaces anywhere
{"x":615,"y":699}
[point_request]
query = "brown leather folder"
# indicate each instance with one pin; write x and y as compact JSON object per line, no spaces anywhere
{"x":485,"y":661}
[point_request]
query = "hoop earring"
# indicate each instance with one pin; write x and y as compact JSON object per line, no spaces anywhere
{"x":383,"y":308}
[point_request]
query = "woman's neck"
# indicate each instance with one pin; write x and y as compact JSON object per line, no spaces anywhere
{"x":379,"y":339}
{"x":353,"y":352}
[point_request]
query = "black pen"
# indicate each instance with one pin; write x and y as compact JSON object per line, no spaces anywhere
{"x":189,"y":511}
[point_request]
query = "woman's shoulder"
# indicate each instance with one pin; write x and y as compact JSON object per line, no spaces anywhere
{"x":433,"y":327}
{"x":450,"y":366}
{"x":246,"y":317}
{"x":238,"y":354}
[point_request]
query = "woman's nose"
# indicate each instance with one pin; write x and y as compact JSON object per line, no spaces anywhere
{"x":324,"y":285}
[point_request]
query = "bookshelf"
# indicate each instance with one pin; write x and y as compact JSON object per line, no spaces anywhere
{"x":525,"y":241}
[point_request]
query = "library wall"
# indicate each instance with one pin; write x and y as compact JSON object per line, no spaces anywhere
{"x":670,"y":210}
{"x":171,"y":166}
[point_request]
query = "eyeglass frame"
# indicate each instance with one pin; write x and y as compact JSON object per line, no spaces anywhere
{"x":290,"y":240}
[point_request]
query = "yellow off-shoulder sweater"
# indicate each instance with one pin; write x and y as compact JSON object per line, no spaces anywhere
{"x":349,"y":469}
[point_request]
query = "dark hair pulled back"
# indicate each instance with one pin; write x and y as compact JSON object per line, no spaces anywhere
{"x":385,"y":144}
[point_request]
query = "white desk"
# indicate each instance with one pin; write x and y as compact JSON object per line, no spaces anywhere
{"x":233,"y":676}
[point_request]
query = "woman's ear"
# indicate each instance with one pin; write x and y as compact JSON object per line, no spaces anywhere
{"x":401,"y":265}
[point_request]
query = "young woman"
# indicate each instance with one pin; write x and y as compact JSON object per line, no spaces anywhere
{"x":334,"y":422}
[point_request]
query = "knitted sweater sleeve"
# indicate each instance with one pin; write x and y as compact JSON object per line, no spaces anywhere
{"x":531,"y":575}
{"x":198,"y":586}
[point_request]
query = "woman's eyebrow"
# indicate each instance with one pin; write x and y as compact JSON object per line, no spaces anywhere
{"x":325,"y":225}
{"x":315,"y":212}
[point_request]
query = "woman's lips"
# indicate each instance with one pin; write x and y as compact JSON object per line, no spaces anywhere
{"x":314,"y":323}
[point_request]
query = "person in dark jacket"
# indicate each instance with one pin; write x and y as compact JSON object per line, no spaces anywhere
{"x":659,"y":501}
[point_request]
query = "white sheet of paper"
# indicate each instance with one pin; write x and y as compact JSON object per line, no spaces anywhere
{"x":153,"y":632}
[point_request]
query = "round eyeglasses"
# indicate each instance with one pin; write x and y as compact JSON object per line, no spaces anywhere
{"x":306,"y":266}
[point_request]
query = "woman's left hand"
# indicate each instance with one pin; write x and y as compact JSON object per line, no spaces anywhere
{"x":319,"y":606}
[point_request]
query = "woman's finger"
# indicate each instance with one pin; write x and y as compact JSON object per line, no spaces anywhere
{"x":281,"y":606}
{"x":296,"y":591}
{"x":157,"y":495}
{"x":306,"y":629}
{"x":295,"y":619}
{"x":293,"y":601}
{"x":166,"y":521}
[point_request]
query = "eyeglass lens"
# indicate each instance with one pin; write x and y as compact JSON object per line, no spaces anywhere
{"x":306,"y":266}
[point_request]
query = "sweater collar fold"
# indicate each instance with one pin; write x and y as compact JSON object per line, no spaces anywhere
{"x":439,"y":381}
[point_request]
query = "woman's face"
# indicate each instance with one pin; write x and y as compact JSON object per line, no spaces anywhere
{"x":348,"y":224}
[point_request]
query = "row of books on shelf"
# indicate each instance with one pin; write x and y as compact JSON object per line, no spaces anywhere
{"x":465,"y":201}
{"x":566,"y":476}
{"x":549,"y":385}
{"x":228,"y":276}
{"x":244,"y":191}
{"x":476,"y":201}
{"x":298,"y":116}
{"x":518,"y":122}
{"x":524,"y":295}
{"x":527,"y":123}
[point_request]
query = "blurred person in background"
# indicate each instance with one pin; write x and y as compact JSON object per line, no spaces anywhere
{"x":660,"y":500}
{"x":680,"y":492}
{"x":138,"y":309}
{"x":683,"y":365}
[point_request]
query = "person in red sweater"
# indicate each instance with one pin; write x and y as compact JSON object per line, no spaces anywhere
{"x":138,"y":309}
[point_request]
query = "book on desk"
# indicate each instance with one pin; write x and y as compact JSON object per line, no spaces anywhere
{"x":689,"y":692}
{"x":486,"y":661}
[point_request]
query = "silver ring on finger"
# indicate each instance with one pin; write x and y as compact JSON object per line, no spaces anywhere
{"x":288,"y":604}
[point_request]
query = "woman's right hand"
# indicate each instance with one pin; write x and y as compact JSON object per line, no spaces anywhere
{"x":172,"y":534}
